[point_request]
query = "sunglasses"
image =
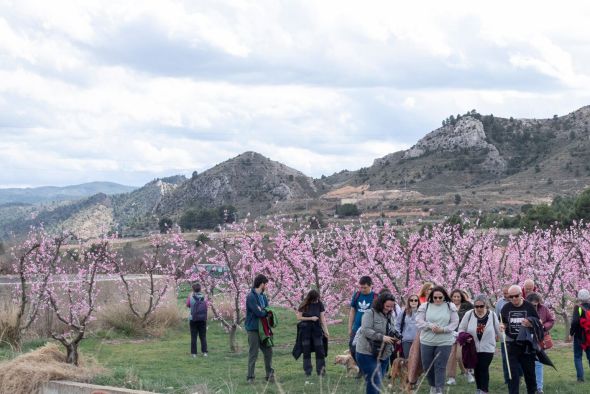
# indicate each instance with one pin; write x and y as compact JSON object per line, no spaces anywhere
{"x":438,"y":298}
{"x":413,"y":300}
{"x":511,"y":296}
{"x":479,"y":306}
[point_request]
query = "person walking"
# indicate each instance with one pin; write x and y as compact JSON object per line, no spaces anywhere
{"x":437,"y":320}
{"x":578,"y":333}
{"x":459,"y":298}
{"x":548,"y":320}
{"x":256,"y":302}
{"x":375,"y":341}
{"x":362,"y":299}
{"x":515,"y":316}
{"x":312,"y":329}
{"x":198,"y":319}
{"x":483,"y":326}
{"x":405,"y":324}
{"x":503,"y":300}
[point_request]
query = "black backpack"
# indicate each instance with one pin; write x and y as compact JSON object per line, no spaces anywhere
{"x":198,"y":309}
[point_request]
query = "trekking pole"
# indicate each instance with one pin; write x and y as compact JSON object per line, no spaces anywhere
{"x":505,"y":348}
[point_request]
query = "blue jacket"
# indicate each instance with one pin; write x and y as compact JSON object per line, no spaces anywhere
{"x":254,"y":310}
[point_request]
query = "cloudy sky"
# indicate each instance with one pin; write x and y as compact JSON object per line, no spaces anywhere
{"x":132,"y":90}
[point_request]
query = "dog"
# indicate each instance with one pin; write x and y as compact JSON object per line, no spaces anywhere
{"x":346,"y":359}
{"x":399,"y":370}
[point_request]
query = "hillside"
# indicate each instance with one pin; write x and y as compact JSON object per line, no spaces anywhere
{"x":529,"y":156}
{"x":250,"y":182}
{"x":54,"y":193}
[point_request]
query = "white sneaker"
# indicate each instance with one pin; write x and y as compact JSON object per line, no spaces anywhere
{"x":451,"y":382}
{"x":432,"y":390}
{"x":470,"y":378}
{"x":193,"y":355}
{"x":205,"y":355}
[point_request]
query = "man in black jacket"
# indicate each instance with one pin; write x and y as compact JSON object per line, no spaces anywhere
{"x":577,"y":333}
{"x":514,"y":316}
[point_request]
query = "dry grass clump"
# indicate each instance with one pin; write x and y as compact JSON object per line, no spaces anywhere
{"x":25,"y":373}
{"x":120,"y":318}
{"x":9,"y":332}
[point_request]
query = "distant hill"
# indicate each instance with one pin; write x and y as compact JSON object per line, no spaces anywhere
{"x":474,"y":151}
{"x":54,"y":193}
{"x":251,"y":182}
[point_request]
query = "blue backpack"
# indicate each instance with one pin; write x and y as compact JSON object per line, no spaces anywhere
{"x":198,"y":309}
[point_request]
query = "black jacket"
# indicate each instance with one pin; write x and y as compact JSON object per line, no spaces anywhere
{"x":310,"y":339}
{"x":575,"y":328}
{"x":530,"y":337}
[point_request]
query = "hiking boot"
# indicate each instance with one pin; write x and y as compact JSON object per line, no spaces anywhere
{"x":271,"y":376}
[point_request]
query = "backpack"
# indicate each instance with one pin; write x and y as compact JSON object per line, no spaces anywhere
{"x":198,"y":309}
{"x":585,"y":325}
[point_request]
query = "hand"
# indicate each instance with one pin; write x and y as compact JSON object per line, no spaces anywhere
{"x":469,"y":340}
{"x":502,"y":327}
{"x":314,"y":318}
{"x":387,"y":339}
{"x":438,"y":330}
{"x":327,"y":335}
{"x":569,"y":338}
{"x":526,"y":323}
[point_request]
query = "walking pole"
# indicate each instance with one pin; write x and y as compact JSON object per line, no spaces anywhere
{"x":505,"y":348}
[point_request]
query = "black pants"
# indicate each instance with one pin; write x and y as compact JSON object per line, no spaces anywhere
{"x":198,"y":328}
{"x":320,"y":363}
{"x":518,"y":359}
{"x":481,"y":372}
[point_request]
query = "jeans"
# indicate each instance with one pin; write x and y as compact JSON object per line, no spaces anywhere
{"x":373,"y":370}
{"x":434,"y":360}
{"x":481,"y":372}
{"x":578,"y":354}
{"x":198,"y":328}
{"x":406,"y":346}
{"x":255,"y":344}
{"x":352,"y":348}
{"x":539,"y":375}
{"x":517,"y":359}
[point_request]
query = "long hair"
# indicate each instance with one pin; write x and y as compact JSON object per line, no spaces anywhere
{"x":441,"y":290}
{"x":408,"y":308}
{"x":311,"y":297}
{"x":425,"y":286}
{"x":381,"y":300}
{"x":461,"y":293}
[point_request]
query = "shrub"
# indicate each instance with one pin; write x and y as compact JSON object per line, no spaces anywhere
{"x":120,"y":319}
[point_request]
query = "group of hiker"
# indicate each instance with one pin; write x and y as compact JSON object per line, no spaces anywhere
{"x":436,"y":331}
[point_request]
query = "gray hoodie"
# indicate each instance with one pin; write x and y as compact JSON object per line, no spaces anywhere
{"x":410,"y":328}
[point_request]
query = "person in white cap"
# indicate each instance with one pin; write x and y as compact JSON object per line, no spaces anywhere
{"x":578,"y":334}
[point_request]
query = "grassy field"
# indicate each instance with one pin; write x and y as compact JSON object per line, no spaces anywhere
{"x":164,"y":364}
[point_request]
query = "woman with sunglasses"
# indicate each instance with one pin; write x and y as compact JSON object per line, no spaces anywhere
{"x":405,"y":324}
{"x":437,"y":320}
{"x":483,"y":326}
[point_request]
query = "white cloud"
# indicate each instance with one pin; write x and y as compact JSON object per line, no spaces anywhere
{"x":127,"y":91}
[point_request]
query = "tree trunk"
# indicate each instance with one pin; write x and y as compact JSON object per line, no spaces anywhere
{"x":72,"y":353}
{"x":566,"y":324}
{"x":233,"y":347}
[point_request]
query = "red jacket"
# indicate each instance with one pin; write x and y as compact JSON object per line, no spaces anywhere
{"x":546,"y":316}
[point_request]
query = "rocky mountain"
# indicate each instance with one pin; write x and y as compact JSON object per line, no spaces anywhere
{"x":250,"y":182}
{"x":539,"y":156}
{"x":53,"y":193}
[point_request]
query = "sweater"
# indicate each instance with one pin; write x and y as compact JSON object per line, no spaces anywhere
{"x":487,"y":344}
{"x":410,"y":329}
{"x":443,"y":315}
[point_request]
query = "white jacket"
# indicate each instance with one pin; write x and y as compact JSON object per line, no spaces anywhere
{"x":492,"y":331}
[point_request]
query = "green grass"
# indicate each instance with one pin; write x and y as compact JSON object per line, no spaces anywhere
{"x":164,"y":364}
